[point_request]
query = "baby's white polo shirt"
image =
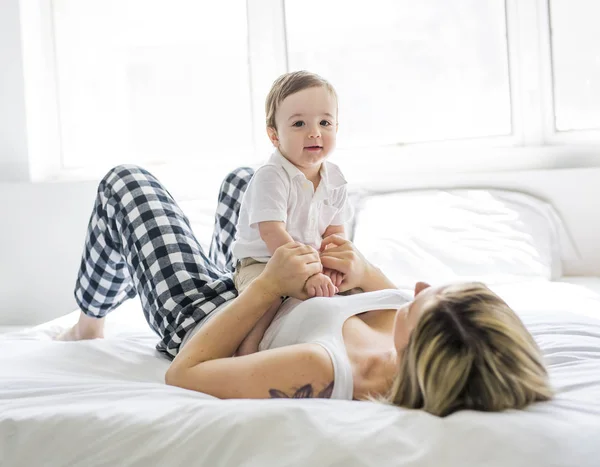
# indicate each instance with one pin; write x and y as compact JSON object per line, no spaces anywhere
{"x":279,"y":191}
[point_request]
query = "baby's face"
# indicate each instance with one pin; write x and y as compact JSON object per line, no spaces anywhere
{"x":306,"y":127}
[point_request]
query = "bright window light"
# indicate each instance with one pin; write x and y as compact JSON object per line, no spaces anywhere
{"x":407,"y":71}
{"x":151,"y":80}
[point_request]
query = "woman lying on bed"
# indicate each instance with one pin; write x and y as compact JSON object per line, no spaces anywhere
{"x":453,"y":347}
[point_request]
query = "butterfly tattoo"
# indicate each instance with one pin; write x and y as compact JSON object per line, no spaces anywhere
{"x":305,"y":392}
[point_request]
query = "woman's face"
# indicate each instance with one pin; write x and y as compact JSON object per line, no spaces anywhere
{"x":408,"y":316}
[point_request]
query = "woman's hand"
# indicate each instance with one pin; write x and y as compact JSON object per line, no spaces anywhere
{"x":341,"y":255}
{"x":288,"y":270}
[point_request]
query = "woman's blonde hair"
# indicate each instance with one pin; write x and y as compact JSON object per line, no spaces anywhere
{"x":291,"y":83}
{"x":469,"y":350}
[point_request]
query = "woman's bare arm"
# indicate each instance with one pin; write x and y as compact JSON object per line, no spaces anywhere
{"x":221,"y":336}
{"x":375,"y":279}
{"x":205,"y":363}
{"x":285,"y":274}
{"x":295,"y":371}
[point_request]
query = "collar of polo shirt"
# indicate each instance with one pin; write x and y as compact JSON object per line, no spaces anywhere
{"x":330,"y":174}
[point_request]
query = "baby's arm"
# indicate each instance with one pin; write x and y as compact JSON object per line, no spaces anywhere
{"x":334,"y":230}
{"x":273,"y":233}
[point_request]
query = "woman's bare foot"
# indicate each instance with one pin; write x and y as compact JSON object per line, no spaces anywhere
{"x":75,"y":334}
{"x":86,"y":328}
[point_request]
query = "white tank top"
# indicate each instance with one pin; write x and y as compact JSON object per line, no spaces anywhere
{"x":320,"y":320}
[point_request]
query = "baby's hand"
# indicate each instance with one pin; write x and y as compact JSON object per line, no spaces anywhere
{"x":320,"y":285}
{"x":336,"y":276}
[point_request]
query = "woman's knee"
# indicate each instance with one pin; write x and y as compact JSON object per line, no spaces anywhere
{"x":119,"y":177}
{"x":122,"y":170}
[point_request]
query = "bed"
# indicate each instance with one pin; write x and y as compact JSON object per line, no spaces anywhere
{"x":104,"y":402}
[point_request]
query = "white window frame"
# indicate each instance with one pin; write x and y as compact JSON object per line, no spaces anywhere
{"x":552,"y":135}
{"x":534,"y":141}
{"x":41,"y":90}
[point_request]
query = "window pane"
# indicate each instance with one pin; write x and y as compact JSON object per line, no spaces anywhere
{"x":576,"y":63}
{"x":407,"y":71}
{"x":151,"y":80}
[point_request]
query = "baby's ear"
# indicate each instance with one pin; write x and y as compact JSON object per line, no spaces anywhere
{"x":272,"y":132}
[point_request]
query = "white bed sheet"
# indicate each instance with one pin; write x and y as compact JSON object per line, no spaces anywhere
{"x":103,"y":402}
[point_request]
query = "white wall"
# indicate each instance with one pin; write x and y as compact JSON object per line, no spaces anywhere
{"x":41,"y":239}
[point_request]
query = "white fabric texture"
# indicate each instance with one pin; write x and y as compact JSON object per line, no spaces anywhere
{"x":443,"y":235}
{"x":279,"y":191}
{"x":104,"y":402}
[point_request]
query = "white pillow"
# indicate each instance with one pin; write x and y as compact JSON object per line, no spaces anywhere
{"x":441,"y":236}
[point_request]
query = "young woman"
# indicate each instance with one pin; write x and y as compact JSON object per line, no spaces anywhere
{"x":452,"y":347}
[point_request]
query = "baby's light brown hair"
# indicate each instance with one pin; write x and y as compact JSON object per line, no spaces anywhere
{"x":291,"y":83}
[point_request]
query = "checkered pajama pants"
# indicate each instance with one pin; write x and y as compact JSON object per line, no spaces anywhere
{"x":140,"y":242}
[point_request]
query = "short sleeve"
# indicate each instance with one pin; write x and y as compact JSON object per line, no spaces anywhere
{"x":342,"y":203}
{"x":267,"y":196}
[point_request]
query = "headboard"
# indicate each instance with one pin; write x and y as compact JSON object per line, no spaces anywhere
{"x":574,"y":192}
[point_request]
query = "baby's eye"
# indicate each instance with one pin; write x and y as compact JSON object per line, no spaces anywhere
{"x":325,"y":123}
{"x":298,"y":124}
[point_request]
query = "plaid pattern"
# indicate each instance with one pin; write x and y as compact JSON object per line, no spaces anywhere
{"x":228,"y":210}
{"x":140,"y":242}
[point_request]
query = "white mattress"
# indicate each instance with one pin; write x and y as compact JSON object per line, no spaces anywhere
{"x":103,"y":402}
